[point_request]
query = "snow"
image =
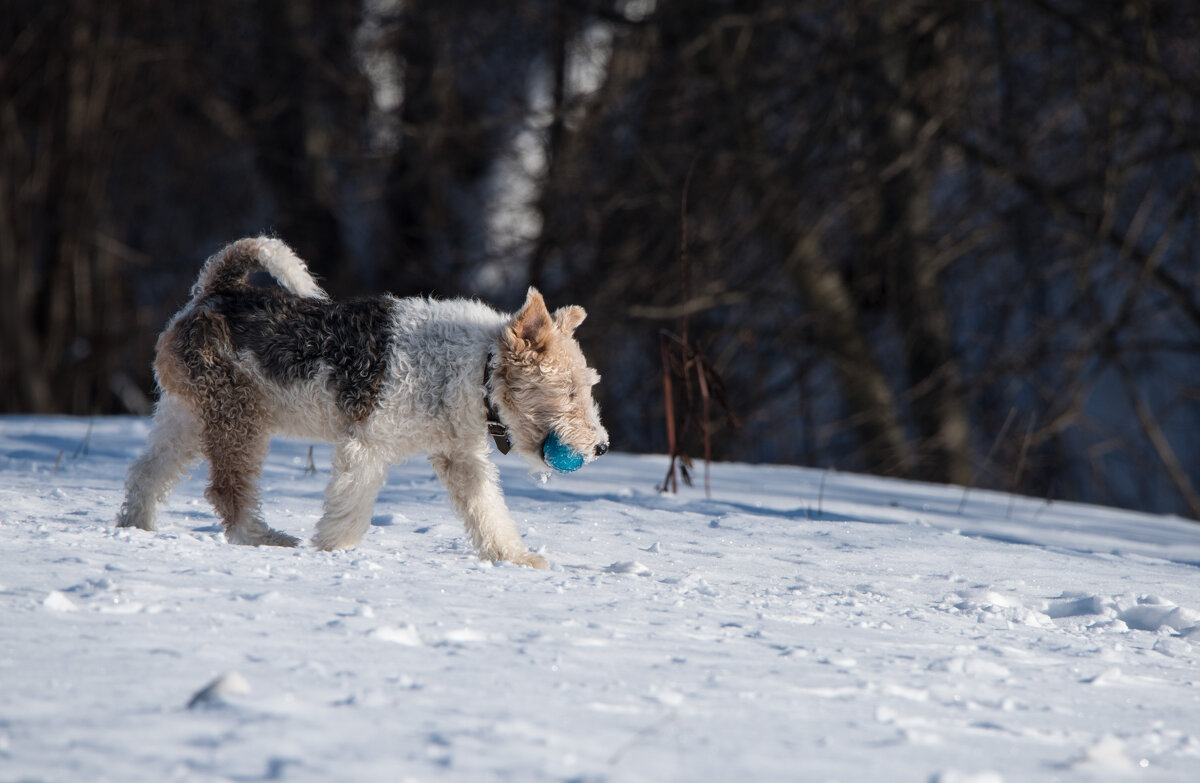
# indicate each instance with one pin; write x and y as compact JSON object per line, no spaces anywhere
{"x":799,"y":625}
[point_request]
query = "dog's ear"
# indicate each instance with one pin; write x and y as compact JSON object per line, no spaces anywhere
{"x":532,"y":323}
{"x":569,"y":318}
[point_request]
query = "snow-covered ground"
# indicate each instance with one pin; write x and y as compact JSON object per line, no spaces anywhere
{"x":797,"y":626}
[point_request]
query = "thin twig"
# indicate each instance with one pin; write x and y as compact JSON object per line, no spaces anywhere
{"x":84,"y":444}
{"x":690,"y":358}
{"x":1159,"y":441}
{"x":1012,"y":412}
{"x":683,"y":246}
{"x":704,"y":423}
{"x":670,"y":484}
{"x":1020,"y":465}
{"x":821,"y":492}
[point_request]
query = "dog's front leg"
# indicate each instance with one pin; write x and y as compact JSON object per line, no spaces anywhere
{"x":358,"y":473}
{"x":474,"y":486}
{"x":172,"y":445}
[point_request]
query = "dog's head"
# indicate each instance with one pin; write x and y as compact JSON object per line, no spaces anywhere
{"x":542,"y":385}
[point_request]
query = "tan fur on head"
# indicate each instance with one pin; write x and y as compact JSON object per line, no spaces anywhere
{"x":569,"y":318}
{"x":532,"y":324}
{"x":544,"y":382}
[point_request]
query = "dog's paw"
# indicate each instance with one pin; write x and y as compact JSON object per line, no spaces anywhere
{"x":531,"y":560}
{"x":140,"y":521}
{"x":328,"y":543}
{"x":260,"y":536}
{"x":275,"y":538}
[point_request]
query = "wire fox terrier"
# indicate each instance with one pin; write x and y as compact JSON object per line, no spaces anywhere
{"x":381,"y":378}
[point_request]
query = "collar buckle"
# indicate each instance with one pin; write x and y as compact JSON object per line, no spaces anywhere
{"x":499,"y":434}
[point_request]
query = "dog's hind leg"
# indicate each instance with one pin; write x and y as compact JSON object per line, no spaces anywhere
{"x":358,"y":473}
{"x":235,"y":467}
{"x":236,"y":438}
{"x":473,"y":484}
{"x":173,"y":444}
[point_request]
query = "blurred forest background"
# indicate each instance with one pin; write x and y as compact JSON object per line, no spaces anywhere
{"x":938,"y":240}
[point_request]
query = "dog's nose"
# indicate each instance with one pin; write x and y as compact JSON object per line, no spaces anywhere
{"x":601,"y":448}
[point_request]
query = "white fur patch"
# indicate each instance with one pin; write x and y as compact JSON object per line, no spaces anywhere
{"x":286,"y":267}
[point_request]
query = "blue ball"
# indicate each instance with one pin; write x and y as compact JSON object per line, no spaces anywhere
{"x":560,"y":456}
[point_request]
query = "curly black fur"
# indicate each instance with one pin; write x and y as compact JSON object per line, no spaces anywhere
{"x":293,"y":338}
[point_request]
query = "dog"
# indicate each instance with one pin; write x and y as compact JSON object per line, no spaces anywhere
{"x":381,"y":378}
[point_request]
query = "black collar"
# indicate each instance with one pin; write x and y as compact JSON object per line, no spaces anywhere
{"x":495,"y":427}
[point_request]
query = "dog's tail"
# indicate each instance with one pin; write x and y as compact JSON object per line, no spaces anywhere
{"x":229,"y":268}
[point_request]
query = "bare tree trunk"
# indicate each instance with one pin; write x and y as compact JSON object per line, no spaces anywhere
{"x":874,"y":409}
{"x":61,"y":294}
{"x":453,"y":124}
{"x":556,"y":135}
{"x":904,"y":244}
{"x":929,"y":356}
{"x":306,"y":103}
